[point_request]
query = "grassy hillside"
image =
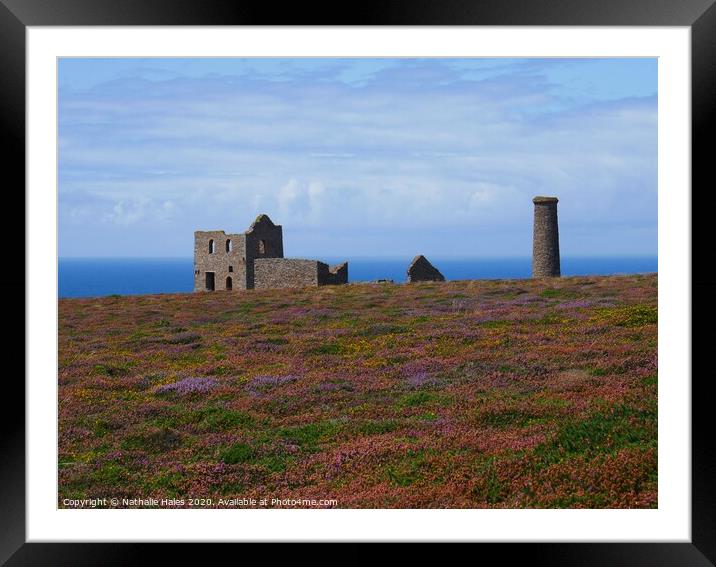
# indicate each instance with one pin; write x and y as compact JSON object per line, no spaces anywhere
{"x":462,"y":394}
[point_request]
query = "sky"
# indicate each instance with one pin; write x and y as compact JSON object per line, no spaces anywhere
{"x":357,"y":157}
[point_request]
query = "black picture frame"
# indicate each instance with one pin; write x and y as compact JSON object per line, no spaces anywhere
{"x":699,"y":15}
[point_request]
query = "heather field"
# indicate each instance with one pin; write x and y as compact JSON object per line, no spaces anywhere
{"x":465,"y":394}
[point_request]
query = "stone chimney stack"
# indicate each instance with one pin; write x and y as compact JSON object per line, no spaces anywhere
{"x":545,"y":243}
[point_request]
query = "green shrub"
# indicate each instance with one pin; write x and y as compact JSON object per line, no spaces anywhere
{"x":238,"y":453}
{"x":156,"y":441}
{"x":415,"y":399}
{"x":219,"y":419}
{"x":408,"y":469}
{"x":309,"y":436}
{"x":112,"y":370}
{"x":623,"y":426}
{"x":561,"y":293}
{"x":326,"y":348}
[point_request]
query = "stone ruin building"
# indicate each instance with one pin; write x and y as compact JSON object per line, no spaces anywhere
{"x":545,"y":240}
{"x":254,"y":260}
{"x":420,"y":270}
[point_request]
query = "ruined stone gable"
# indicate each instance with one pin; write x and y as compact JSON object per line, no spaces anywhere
{"x":420,"y":270}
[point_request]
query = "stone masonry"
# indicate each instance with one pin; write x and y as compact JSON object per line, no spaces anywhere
{"x":545,"y":243}
{"x":255,"y":259}
{"x":332,"y":275}
{"x":420,"y":270}
{"x":290,"y":272}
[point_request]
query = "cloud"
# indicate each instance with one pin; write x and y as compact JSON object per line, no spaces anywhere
{"x":427,"y":143}
{"x":127,"y":212}
{"x":303,"y":202}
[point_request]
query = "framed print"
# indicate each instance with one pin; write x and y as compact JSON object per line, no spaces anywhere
{"x":396,"y":278}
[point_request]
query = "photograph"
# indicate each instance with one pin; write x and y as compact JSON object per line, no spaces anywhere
{"x":357,"y":282}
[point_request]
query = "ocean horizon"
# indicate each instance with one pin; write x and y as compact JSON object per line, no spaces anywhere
{"x":96,"y":277}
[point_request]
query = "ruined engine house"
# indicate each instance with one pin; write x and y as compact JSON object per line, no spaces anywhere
{"x":254,"y":259}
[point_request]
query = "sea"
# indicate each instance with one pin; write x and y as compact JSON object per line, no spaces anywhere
{"x":95,"y":277}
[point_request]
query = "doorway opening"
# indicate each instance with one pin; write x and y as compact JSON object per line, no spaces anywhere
{"x":209,"y":281}
{"x":228,"y":283}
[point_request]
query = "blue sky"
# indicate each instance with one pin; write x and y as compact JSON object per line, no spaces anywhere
{"x":357,"y":157}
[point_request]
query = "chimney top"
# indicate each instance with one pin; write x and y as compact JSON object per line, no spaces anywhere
{"x":539,"y":200}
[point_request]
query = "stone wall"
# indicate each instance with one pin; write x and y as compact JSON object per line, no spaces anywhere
{"x":290,"y":272}
{"x":333,"y":275}
{"x":285,"y":272}
{"x":221,"y":262}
